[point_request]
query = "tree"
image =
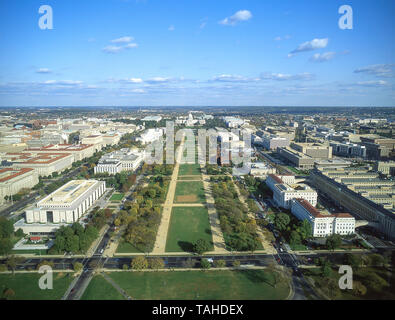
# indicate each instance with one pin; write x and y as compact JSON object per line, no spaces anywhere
{"x":333,"y":241}
{"x":8,"y":293}
{"x":236,"y":263}
{"x":139,"y":263}
{"x":326,"y":269}
{"x":358,"y":288}
{"x":201,"y":246}
{"x":305,"y":229}
{"x":205,"y":264}
{"x":354,"y":260}
{"x":276,"y":274}
{"x":77,"y":266}
{"x":6,"y":228}
{"x":376,"y":260}
{"x":219,"y":263}
{"x":156,"y":263}
{"x":374,"y":281}
{"x":281,"y":221}
{"x":5,"y":246}
{"x":295,"y":238}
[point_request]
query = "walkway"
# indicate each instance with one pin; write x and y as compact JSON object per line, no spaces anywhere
{"x":116,"y":286}
{"x":161,"y":237}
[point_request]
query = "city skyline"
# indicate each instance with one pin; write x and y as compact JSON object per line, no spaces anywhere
{"x":163,"y":53}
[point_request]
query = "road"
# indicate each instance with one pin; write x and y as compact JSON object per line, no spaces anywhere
{"x":32,"y":197}
{"x":97,"y":260}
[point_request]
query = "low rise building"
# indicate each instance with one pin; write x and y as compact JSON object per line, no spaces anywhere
{"x":79,"y":151}
{"x":118,"y":161}
{"x":12,"y":180}
{"x":66,"y":205}
{"x":285,"y":189}
{"x":43,"y":163}
{"x":323,"y":225}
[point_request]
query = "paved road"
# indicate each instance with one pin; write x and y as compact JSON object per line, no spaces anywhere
{"x":32,"y":197}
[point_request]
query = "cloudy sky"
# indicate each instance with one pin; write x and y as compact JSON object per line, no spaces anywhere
{"x":197,"y":52}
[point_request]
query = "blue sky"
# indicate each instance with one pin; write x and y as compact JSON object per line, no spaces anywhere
{"x":197,"y":52}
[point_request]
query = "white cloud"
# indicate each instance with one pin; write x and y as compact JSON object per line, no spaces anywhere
{"x":138,"y":91}
{"x":62,"y":82}
{"x":322,"y":57}
{"x":135,"y":80}
{"x":378,"y":70}
{"x":112,"y":49}
{"x":309,"y":46}
{"x":284,"y":76}
{"x":125,"y":39}
{"x":43,"y":70}
{"x":242,"y":15}
{"x":171,"y":28}
{"x":378,"y":83}
{"x":233,"y":78}
{"x":131,"y":45}
{"x":158,"y":80}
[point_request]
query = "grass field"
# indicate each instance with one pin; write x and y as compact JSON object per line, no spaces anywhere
{"x":126,"y":247}
{"x":100,"y":289}
{"x":189,"y":169}
{"x":25,"y":286}
{"x":189,"y":192}
{"x":195,"y":178}
{"x":187,"y":224}
{"x":117,"y":197}
{"x":199,"y":285}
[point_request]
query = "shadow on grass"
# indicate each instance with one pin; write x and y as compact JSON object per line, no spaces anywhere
{"x":257,"y":276}
{"x":185,"y":246}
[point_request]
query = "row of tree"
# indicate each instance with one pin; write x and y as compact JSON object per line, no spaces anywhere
{"x":240,"y":232}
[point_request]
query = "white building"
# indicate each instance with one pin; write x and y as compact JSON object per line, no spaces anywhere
{"x":66,"y":205}
{"x":151,"y":135}
{"x":323,"y":225}
{"x":152,"y":118}
{"x":12,"y":180}
{"x":118,"y":161}
{"x":284,"y":190}
{"x":260,"y":169}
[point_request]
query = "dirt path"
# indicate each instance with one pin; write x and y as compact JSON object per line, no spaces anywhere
{"x":161,"y":237}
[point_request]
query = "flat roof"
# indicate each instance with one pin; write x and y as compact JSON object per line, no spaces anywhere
{"x":11,"y":173}
{"x":67,"y":193}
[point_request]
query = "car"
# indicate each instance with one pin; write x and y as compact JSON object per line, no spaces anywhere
{"x":101,"y":251}
{"x":281,"y":250}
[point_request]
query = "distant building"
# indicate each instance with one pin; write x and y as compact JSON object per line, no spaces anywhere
{"x":79,"y":151}
{"x":387,"y":168}
{"x":12,"y":180}
{"x":151,"y":135}
{"x":43,"y":163}
{"x":152,"y":118}
{"x":284,"y":190}
{"x":273,"y":142}
{"x":118,"y":161}
{"x":351,"y":150}
{"x":357,"y":196}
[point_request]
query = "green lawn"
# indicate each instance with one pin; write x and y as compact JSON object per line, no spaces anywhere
{"x":199,"y":285}
{"x":195,"y":178}
{"x":189,"y":192}
{"x":100,"y":289}
{"x":126,"y":247}
{"x":189,"y":169}
{"x":25,"y":286}
{"x":187,"y":224}
{"x":117,"y":197}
